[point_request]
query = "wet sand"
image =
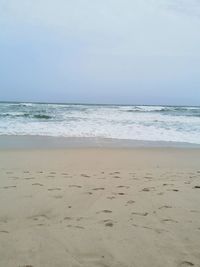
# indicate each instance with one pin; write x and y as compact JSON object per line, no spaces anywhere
{"x":111,"y":207}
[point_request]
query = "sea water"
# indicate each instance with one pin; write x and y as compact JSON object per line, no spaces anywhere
{"x":133,"y":122}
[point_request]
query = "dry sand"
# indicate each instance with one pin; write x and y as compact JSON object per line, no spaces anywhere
{"x":100,"y":207}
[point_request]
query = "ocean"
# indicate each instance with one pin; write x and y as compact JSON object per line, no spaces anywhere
{"x":133,"y":122}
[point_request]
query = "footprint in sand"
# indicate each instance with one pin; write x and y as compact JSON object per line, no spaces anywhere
{"x":165,"y":207}
{"x":116,"y":177}
{"x":110,"y":198}
{"x":38,"y":184}
{"x":134,"y":224}
{"x":160,"y":193}
{"x":168,"y":184}
{"x":140,"y":213}
{"x":195,"y":211}
{"x":79,"y":227}
{"x":38,"y":217}
{"x":148,"y":177}
{"x":118,"y":193}
{"x":147,"y":227}
{"x":186,"y":264}
{"x":104,"y":211}
{"x":54,"y":189}
{"x":158,"y":231}
{"x":75,"y":226}
{"x":40,"y":224}
{"x":58,"y":197}
{"x":67,"y":218}
{"x":88,"y":193}
{"x":14,"y":178}
{"x":111,"y":173}
{"x":4,"y":232}
{"x":78,"y":219}
{"x":173,"y":190}
{"x":123,"y":186}
{"x":85,"y":175}
{"x":98,"y":188}
{"x":108,"y":223}
{"x":10,"y":186}
{"x":169,"y":220}
{"x":77,"y":186}
{"x":146,"y":189}
{"x":130,"y":202}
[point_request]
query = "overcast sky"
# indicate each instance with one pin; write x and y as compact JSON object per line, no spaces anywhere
{"x":100,"y":51}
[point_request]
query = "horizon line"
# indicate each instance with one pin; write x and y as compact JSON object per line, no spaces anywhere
{"x":94,"y":104}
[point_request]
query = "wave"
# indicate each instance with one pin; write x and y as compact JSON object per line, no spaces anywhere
{"x":40,"y":116}
{"x":26,"y":115}
{"x":174,"y":111}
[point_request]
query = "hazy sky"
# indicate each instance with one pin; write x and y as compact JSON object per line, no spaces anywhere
{"x":106,"y":51}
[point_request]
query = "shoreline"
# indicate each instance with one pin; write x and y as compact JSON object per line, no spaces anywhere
{"x":51,"y":142}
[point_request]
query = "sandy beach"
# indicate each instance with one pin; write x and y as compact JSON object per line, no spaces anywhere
{"x":110,"y":207}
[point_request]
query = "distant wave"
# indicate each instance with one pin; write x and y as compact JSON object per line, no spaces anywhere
{"x":174,"y":111}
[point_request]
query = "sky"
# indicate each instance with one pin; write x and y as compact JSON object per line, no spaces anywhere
{"x":100,"y":51}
